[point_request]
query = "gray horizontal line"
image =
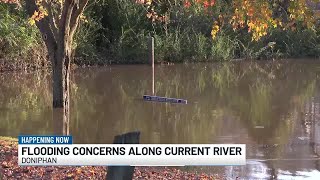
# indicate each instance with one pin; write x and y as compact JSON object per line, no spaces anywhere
{"x":307,"y":159}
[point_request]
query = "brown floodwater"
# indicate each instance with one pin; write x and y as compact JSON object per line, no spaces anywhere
{"x":273,"y":107}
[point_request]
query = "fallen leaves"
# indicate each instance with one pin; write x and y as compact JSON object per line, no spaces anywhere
{"x":9,"y":169}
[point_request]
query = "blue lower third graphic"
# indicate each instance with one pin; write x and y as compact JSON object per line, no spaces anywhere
{"x":34,"y":139}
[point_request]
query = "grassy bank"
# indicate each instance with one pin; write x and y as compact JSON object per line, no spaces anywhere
{"x":117,"y":31}
{"x":9,"y":168}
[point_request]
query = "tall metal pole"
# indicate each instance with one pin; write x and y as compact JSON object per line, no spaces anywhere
{"x":151,"y":59}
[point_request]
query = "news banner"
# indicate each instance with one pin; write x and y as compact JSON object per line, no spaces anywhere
{"x":60,"y":151}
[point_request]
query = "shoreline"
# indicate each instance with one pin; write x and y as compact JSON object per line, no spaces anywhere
{"x":29,"y":67}
{"x":9,"y":168}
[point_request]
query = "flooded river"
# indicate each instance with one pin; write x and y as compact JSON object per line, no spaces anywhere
{"x":273,"y":107}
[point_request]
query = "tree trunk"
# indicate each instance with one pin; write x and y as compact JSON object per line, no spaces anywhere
{"x":57,"y":33}
{"x":61,"y":87}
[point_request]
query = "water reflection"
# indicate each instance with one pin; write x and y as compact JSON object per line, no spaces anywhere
{"x":267,"y":105}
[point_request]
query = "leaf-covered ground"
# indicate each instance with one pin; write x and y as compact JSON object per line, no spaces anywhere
{"x":9,"y":169}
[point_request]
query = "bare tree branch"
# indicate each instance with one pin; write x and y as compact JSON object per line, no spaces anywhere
{"x":68,"y":18}
{"x":64,"y":13}
{"x":75,"y":16}
{"x":51,"y":18}
{"x":44,"y":27}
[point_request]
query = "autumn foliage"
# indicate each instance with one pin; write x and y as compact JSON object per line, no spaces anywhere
{"x":122,"y":26}
{"x":257,"y":17}
{"x":39,"y":14}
